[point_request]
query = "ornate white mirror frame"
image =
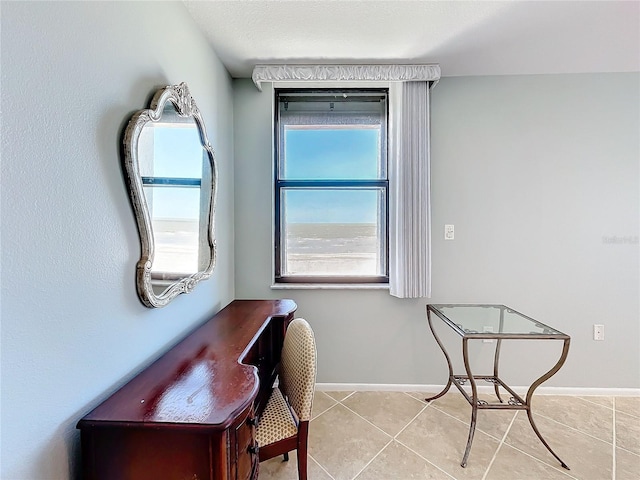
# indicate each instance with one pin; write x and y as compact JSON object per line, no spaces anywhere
{"x":171,"y":106}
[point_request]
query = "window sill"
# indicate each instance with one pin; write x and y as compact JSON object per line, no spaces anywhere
{"x":330,"y":286}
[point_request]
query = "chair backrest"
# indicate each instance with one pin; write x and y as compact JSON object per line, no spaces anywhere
{"x":298,"y":367}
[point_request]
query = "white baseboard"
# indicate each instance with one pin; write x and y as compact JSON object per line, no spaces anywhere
{"x":397,"y":387}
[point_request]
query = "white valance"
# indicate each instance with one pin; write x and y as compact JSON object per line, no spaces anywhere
{"x":345,"y":73}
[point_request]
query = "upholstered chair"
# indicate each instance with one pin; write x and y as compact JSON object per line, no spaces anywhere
{"x":284,"y":425}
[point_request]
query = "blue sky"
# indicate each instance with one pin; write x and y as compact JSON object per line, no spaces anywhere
{"x":331,"y":154}
{"x":177,"y":153}
{"x":326,"y":153}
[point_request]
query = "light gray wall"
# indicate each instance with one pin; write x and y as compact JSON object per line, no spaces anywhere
{"x":73,"y":329}
{"x":536,"y":173}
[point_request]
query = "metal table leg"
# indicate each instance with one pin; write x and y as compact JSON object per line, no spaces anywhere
{"x":536,"y":384}
{"x":474,"y":401}
{"x":446,"y":355}
{"x":496,"y":358}
{"x":496,"y":361}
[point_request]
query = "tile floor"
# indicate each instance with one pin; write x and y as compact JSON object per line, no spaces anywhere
{"x":399,"y":436}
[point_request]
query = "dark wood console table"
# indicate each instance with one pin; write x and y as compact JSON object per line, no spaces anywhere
{"x":191,"y":414}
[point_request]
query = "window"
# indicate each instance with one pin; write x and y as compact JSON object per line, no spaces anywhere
{"x":331,"y":186}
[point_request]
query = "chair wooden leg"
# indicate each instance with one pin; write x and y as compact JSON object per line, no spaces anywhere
{"x":302,"y":464}
{"x":303,"y":433}
{"x":286,"y":457}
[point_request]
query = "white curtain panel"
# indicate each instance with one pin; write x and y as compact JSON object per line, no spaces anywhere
{"x":409,"y":190}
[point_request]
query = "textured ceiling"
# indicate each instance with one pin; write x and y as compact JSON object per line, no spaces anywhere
{"x":465,"y":38}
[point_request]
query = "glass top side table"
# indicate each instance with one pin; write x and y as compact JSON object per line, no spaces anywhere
{"x":493,"y":322}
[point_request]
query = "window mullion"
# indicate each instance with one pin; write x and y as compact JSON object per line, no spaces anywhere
{"x":382,"y":183}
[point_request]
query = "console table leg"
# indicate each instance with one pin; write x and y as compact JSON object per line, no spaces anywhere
{"x":446,"y":356}
{"x":545,"y":377}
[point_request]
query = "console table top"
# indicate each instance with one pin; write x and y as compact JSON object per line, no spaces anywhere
{"x":200,"y":382}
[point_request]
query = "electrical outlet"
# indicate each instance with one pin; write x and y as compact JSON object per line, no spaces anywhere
{"x":448,"y":232}
{"x":598,"y":332}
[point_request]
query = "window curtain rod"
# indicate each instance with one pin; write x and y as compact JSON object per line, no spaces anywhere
{"x":345,"y":73}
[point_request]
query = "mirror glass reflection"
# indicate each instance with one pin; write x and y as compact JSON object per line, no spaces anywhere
{"x":176,"y":179}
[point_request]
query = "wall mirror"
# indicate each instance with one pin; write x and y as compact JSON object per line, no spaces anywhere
{"x":171,"y":174}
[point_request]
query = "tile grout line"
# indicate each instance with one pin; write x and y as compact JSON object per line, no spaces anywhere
{"x":410,"y":421}
{"x":544,"y":462}
{"x":586,"y":399}
{"x":335,"y":402}
{"x":555,"y":466}
{"x":522,"y":451}
{"x":613,"y":466}
{"x":539,"y":414}
{"x":321,"y":467}
{"x":495,"y":455}
{"x":574,"y":428}
{"x":376,"y":427}
{"x":425,"y":459}
{"x":374,"y":457}
{"x":325,"y":411}
{"x":395,"y":439}
{"x":340,"y":401}
{"x":370,"y":423}
{"x":502,"y":441}
{"x":634,"y":415}
{"x":422,"y":400}
{"x":329,"y":397}
{"x":628,"y":451}
{"x":464,"y":422}
{"x":613,"y":407}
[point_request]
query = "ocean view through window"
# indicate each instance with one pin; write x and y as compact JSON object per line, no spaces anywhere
{"x":331,"y":186}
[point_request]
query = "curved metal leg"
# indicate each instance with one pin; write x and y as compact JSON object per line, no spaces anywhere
{"x":446,"y":355}
{"x":496,"y":361}
{"x":536,"y":384}
{"x":474,"y":404}
{"x":496,"y":358}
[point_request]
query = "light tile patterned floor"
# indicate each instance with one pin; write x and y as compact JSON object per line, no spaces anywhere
{"x":399,"y":436}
